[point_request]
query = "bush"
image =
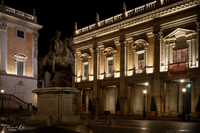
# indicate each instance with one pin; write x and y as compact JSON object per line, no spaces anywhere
{"x":198,"y":105}
{"x":90,"y":105}
{"x":153,"y":104}
{"x":117,"y":106}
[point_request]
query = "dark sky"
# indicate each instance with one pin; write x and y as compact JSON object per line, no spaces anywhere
{"x":62,"y":14}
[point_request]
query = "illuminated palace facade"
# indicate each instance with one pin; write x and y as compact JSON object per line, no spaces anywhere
{"x":154,"y":47}
{"x":18,"y":56}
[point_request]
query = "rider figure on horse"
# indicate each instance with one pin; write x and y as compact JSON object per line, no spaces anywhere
{"x":54,"y":51}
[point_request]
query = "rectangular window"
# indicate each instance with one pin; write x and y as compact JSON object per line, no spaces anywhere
{"x":20,"y":67}
{"x":86,"y":70}
{"x":110,"y":66}
{"x":140,"y":61}
{"x":20,"y":34}
{"x":181,"y":55}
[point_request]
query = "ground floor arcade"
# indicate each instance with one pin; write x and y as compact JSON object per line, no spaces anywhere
{"x":169,"y":97}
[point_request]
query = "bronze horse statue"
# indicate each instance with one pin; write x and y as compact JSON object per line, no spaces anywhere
{"x":64,"y":61}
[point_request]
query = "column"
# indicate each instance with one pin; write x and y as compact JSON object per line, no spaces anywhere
{"x":167,"y":97}
{"x":35,"y":54}
{"x":87,"y":100}
{"x":96,"y":87}
{"x":150,"y":94}
{"x":80,"y":101}
{"x":157,"y":78}
{"x":122,"y":90}
{"x":132,"y":95}
{"x":103,"y":98}
{"x":180,"y":97}
{"x":193,"y":96}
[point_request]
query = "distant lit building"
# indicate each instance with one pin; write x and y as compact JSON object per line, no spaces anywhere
{"x":156,"y":43}
{"x":18,"y":55}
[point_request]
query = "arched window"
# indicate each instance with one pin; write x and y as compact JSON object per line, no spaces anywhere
{"x":140,"y":47}
{"x":85,"y":69}
{"x":109,"y":54}
{"x":20,"y":64}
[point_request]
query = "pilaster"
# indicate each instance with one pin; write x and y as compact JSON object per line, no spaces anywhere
{"x":123,"y":88}
{"x":3,"y":47}
{"x":35,"y":54}
{"x":157,"y":77}
{"x":96,"y":87}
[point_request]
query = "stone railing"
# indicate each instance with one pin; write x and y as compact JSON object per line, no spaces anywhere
{"x":118,"y":17}
{"x":19,"y":13}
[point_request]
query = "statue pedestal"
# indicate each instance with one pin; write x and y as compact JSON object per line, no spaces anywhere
{"x":57,"y":102}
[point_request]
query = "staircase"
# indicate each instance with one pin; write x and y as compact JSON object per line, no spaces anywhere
{"x":11,"y":102}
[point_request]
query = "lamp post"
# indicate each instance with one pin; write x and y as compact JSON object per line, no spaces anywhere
{"x":184,"y":90}
{"x":2,"y":91}
{"x":144,"y":112}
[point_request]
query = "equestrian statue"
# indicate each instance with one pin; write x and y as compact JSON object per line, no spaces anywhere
{"x":59,"y":58}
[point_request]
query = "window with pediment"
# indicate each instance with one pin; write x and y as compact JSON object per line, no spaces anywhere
{"x":109,"y":55}
{"x":85,"y":58}
{"x":20,"y":64}
{"x":180,"y":46}
{"x":140,"y":47}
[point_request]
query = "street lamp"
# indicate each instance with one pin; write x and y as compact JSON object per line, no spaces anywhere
{"x":2,"y":91}
{"x":144,"y":113}
{"x":184,"y":90}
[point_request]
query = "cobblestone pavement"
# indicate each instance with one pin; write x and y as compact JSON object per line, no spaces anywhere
{"x":117,"y":126}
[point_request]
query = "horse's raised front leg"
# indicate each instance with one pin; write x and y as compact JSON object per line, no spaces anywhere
{"x":51,"y":79}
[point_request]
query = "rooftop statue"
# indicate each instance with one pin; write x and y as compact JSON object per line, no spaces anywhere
{"x":124,"y":7}
{"x":59,"y":58}
{"x":97,"y":17}
{"x":75,"y":27}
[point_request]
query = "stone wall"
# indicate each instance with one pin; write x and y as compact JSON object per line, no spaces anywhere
{"x":21,"y":87}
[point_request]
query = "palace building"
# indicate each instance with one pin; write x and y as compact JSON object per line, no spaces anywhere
{"x":154,"y":47}
{"x":18,"y":56}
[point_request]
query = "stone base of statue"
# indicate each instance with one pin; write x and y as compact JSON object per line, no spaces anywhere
{"x":57,"y":102}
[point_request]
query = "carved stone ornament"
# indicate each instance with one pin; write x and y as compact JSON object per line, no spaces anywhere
{"x":3,"y":26}
{"x":85,"y":57}
{"x":109,"y":51}
{"x":123,"y":43}
{"x":75,"y":55}
{"x":96,"y":50}
{"x":35,"y":36}
{"x":198,"y":25}
{"x":158,"y":35}
{"x":139,"y":44}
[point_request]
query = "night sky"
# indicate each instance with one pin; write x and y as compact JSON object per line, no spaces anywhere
{"x":62,"y":15}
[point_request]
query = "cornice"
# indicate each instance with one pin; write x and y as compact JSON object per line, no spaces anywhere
{"x":161,"y":12}
{"x":84,"y":47}
{"x":28,"y":24}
